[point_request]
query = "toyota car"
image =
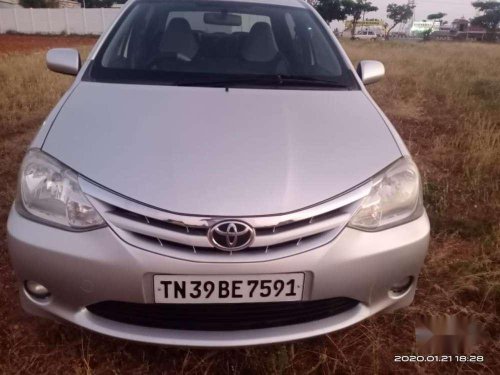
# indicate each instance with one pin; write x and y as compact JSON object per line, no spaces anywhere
{"x":217,"y":175}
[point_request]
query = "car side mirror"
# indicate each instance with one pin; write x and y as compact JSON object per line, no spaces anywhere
{"x":370,"y":71}
{"x":64,"y":60}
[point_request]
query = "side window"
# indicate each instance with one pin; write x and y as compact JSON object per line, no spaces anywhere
{"x":300,"y":51}
{"x":291,"y":25}
{"x":196,"y":21}
{"x":118,"y":47}
{"x":248,"y":20}
{"x":118,"y":52}
{"x":324,"y":60}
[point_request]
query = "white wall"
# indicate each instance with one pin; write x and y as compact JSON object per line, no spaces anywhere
{"x":78,"y":21}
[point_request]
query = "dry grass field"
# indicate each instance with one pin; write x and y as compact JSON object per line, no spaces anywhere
{"x":444,"y":99}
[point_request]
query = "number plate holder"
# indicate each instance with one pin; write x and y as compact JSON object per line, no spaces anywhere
{"x":228,"y":288}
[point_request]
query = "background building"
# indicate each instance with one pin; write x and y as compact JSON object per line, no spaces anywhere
{"x":62,"y":4}
{"x":419,"y":27}
{"x":378,"y":26}
{"x":8,"y":4}
{"x":69,"y":4}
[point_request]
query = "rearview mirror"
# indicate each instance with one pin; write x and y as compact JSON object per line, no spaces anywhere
{"x":222,"y":18}
{"x":370,"y":71}
{"x":63,"y":60}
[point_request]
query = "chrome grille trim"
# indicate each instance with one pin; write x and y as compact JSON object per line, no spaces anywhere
{"x":186,"y":237}
{"x":302,"y":232}
{"x":154,"y":231}
{"x":207,"y":221}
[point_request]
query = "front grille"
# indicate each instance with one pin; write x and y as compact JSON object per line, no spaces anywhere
{"x":221,"y":317}
{"x":186,"y":237}
{"x":195,"y":238}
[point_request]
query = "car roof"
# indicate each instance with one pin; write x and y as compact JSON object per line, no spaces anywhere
{"x":290,"y":3}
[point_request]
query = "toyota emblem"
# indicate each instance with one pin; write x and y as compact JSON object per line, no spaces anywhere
{"x":231,"y":235}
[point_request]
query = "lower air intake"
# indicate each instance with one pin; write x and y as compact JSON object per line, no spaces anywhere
{"x":221,"y":317}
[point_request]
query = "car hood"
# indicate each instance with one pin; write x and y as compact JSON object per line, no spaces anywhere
{"x":208,"y":151}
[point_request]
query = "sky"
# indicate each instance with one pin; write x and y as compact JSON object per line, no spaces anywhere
{"x":453,"y":8}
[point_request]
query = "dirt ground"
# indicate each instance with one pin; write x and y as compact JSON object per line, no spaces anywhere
{"x":443,"y":98}
{"x":13,"y":43}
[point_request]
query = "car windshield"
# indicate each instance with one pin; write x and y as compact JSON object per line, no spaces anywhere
{"x":216,"y":42}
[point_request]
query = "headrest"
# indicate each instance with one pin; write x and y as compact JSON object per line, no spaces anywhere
{"x":260,"y":46}
{"x":179,"y":38}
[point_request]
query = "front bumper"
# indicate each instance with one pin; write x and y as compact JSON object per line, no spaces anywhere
{"x":81,"y":269}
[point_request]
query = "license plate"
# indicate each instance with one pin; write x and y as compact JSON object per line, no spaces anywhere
{"x":228,"y":289}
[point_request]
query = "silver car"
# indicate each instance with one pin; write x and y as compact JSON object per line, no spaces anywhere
{"x":217,"y":175}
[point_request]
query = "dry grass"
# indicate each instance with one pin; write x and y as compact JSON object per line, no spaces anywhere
{"x":445,"y":101}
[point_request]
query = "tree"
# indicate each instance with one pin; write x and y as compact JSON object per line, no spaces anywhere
{"x":426,"y":34}
{"x":398,"y":14}
{"x":339,"y":10}
{"x":357,"y":9}
{"x":436,"y":16}
{"x":330,"y":9}
{"x":39,"y":3}
{"x":490,"y":17}
{"x":96,"y":3}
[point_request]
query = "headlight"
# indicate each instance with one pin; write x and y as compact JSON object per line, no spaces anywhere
{"x":395,"y":198}
{"x":50,"y":193}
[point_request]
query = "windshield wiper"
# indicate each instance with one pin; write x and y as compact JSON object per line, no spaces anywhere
{"x":274,"y":80}
{"x":310,"y":81}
